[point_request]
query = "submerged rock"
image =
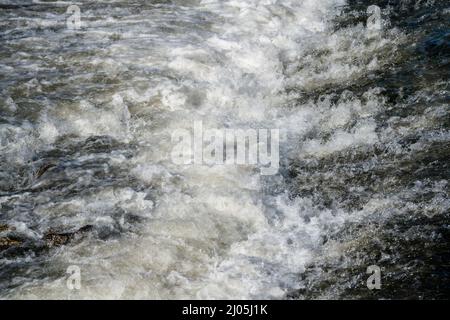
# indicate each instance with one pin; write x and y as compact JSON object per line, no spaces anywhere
{"x":7,"y":242}
{"x":5,"y":227}
{"x":54,"y":239}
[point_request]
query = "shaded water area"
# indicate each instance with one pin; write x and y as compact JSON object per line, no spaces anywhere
{"x":86,"y":177}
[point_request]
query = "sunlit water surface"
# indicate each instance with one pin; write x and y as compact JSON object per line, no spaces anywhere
{"x":86,"y":118}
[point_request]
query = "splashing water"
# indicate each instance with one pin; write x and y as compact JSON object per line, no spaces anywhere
{"x":86,"y":118}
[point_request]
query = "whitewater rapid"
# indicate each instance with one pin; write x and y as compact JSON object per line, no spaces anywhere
{"x":101,"y":103}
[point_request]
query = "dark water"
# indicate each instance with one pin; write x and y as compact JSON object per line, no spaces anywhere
{"x":408,"y":239}
{"x":86,"y":178}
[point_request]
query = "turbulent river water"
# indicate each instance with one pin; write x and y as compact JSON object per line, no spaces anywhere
{"x":86,"y":177}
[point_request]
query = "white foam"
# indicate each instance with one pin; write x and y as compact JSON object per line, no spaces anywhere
{"x":208,"y":232}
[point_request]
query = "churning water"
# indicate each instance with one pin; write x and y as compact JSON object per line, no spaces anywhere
{"x":86,"y":177}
